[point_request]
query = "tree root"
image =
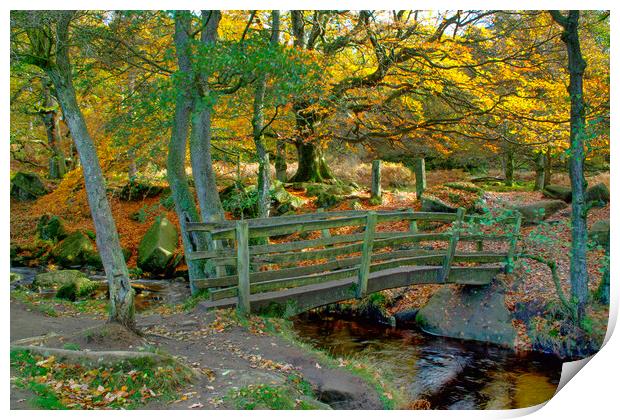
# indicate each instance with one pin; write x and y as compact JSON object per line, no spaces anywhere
{"x":98,"y":358}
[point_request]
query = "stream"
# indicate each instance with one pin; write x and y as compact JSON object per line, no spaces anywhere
{"x":450,"y":374}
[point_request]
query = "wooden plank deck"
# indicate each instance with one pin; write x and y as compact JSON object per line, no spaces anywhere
{"x":312,"y":296}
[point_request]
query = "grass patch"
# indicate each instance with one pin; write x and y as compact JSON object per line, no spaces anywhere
{"x":60,"y":385}
{"x":269,"y":397}
{"x":192,"y":301}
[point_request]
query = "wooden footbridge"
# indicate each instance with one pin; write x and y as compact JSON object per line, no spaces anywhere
{"x":310,"y":260}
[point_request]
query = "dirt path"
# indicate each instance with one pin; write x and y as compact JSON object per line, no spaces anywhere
{"x":234,"y":357}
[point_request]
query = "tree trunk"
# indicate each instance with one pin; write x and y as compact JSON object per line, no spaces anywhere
{"x":420,"y":177}
{"x":311,"y":165}
{"x":258,"y":127}
{"x":539,"y":184}
{"x":280,"y":161}
{"x":375,"y":190}
{"x":509,"y":169}
{"x":57,"y":164}
{"x":576,"y":68}
{"x":108,"y":244}
{"x":185,"y":205}
{"x":547,"y":180}
{"x":211,"y":208}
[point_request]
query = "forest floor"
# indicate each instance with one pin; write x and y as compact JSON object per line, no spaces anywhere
{"x":230,"y":356}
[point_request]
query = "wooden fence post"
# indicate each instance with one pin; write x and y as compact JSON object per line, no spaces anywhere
{"x":243,"y":267}
{"x":413,"y":224}
{"x":364,"y":271}
{"x":512,"y":247}
{"x":375,"y":191}
{"x":420,"y":177}
{"x":190,"y":247}
{"x":447,"y":262}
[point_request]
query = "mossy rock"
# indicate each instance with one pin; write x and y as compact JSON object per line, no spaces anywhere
{"x":284,"y":201}
{"x":326,"y":200}
{"x":135,"y":190}
{"x":79,"y":288}
{"x":600,"y":233}
{"x":55,"y":279}
{"x":15,"y":277}
{"x":156,"y":249}
{"x":465,"y":186}
{"x":433,"y":204}
{"x":539,"y":211}
{"x":27,"y":186}
{"x":469,"y":313}
{"x":316,"y":189}
{"x":558,"y":192}
{"x":51,"y":228}
{"x":76,"y":249}
{"x":598,"y":195}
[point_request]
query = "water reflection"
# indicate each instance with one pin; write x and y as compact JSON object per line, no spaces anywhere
{"x":451,"y":374}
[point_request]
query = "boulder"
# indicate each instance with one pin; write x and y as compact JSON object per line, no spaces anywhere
{"x":80,"y":287}
{"x":434,"y":204}
{"x":540,"y":210}
{"x":598,"y":195}
{"x":156,"y":249}
{"x":27,"y":186}
{"x":558,"y":192}
{"x":284,"y":201}
{"x":76,"y":249}
{"x":326,"y":200}
{"x":55,"y":279}
{"x":599,"y":233}
{"x":465,"y":186}
{"x":469,"y":313}
{"x":51,"y":228}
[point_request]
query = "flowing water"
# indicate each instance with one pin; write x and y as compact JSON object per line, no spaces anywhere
{"x":450,"y":374}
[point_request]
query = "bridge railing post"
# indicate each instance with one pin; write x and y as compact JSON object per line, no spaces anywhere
{"x":243,"y":267}
{"x":364,"y":270}
{"x":447,"y":262}
{"x":512,"y":246}
{"x":413,"y":224}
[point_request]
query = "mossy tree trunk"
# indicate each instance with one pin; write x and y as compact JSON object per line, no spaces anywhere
{"x":185,"y":205}
{"x":311,"y":164}
{"x":420,"y":177}
{"x":539,"y":183}
{"x":258,"y":127}
{"x":59,"y":71}
{"x":547,"y":180}
{"x":280,"y":160}
{"x":509,"y":168}
{"x":579,"y":234}
{"x":211,"y":209}
{"x":57,"y":165}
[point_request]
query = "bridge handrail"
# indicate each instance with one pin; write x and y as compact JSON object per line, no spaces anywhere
{"x":244,"y":256}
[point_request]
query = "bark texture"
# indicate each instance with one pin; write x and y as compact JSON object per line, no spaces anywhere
{"x":108,"y":244}
{"x":576,"y":68}
{"x":258,"y":127}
